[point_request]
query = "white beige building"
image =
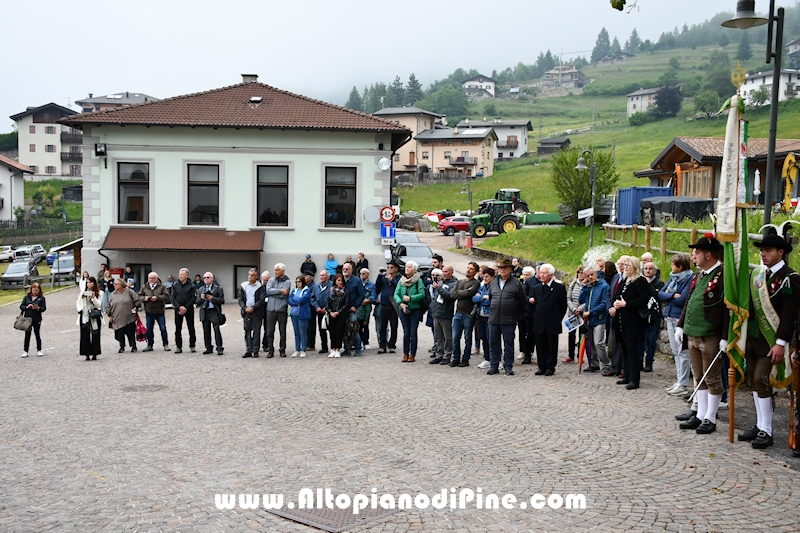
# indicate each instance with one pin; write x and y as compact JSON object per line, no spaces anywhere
{"x":12,"y":186}
{"x":49,"y":149}
{"x":641,"y":100}
{"x":467,"y":151}
{"x":789,"y":82}
{"x":512,"y":135}
{"x":480,"y":86}
{"x":417,"y":120}
{"x":113,"y":101}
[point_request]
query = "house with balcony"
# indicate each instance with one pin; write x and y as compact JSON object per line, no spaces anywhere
{"x":512,"y":135}
{"x":448,"y":152}
{"x":789,"y":82}
{"x":12,"y":186}
{"x":480,"y":86}
{"x":793,"y":51}
{"x":49,"y":149}
{"x":692,"y":166}
{"x":407,"y":157}
{"x":229,"y":179}
{"x":113,"y":101}
{"x":641,"y":100}
{"x":564,"y":76}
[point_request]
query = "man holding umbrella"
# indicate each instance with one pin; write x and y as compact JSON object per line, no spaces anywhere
{"x":704,"y":321}
{"x":774,"y":303}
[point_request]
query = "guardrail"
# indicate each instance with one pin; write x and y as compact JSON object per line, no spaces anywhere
{"x":53,"y":280}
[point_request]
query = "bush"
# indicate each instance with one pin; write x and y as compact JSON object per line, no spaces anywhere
{"x":640,"y":118}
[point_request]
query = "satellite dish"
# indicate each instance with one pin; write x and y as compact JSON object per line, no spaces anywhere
{"x":372,"y":213}
{"x":384,"y":163}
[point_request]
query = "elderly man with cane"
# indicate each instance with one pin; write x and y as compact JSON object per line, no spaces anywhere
{"x":704,"y":322}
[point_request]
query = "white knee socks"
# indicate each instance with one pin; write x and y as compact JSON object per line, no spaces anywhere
{"x":713,"y":406}
{"x":702,"y":403}
{"x":764,"y":411}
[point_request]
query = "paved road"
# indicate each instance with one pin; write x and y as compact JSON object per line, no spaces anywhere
{"x":144,"y":441}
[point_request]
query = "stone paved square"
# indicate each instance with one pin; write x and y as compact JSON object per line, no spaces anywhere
{"x":143,"y":442}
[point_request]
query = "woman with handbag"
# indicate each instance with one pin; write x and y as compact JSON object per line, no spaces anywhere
{"x":32,"y":306}
{"x":122,"y":313}
{"x":89,"y":317}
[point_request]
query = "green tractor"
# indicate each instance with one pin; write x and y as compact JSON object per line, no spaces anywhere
{"x":494,"y":215}
{"x":513,"y":196}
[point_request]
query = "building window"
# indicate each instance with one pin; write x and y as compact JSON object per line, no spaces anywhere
{"x":397,"y":157}
{"x":32,"y":148}
{"x":134,"y":192}
{"x":204,"y":194}
{"x":75,"y":171}
{"x":31,"y":129}
{"x":447,"y":154}
{"x":34,"y":168}
{"x":697,"y":183}
{"x":464,"y":154}
{"x":75,"y":149}
{"x":511,"y":154}
{"x":50,"y":129}
{"x":273,"y":196}
{"x":500,"y":155}
{"x":424,"y":155}
{"x":50,"y":148}
{"x":340,"y":197}
{"x":50,"y":170}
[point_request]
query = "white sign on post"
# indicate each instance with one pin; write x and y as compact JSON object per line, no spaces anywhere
{"x":585,"y":213}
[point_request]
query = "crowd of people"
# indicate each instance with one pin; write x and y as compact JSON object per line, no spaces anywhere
{"x":619,"y":305}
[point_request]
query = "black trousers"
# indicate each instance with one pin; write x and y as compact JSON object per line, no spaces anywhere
{"x":336,"y":328}
{"x":530,"y":338}
{"x":129,"y":332}
{"x":189,"y":318}
{"x":633,"y":365}
{"x":547,"y":350}
{"x":323,"y":333}
{"x":312,"y":331}
{"x":35,"y":326}
{"x":207,"y":325}
{"x":522,"y":325}
{"x":90,"y":339}
{"x":388,"y":318}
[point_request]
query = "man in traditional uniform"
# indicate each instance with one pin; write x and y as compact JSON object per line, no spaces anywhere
{"x":774,"y":303}
{"x":704,"y":321}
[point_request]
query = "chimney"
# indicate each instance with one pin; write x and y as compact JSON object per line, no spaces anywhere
{"x":466,"y":121}
{"x":249,"y":78}
{"x":90,"y":95}
{"x":455,"y":130}
{"x":127,"y":95}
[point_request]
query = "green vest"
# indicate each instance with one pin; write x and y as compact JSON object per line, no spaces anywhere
{"x":695,"y":323}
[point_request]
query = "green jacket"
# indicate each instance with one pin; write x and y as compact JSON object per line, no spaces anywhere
{"x":415,"y":292}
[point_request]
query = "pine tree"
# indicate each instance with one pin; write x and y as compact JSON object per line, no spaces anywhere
{"x":616,"y":49}
{"x":602,"y":47}
{"x":744,"y":52}
{"x":398,"y":91}
{"x":355,"y":102}
{"x":413,"y":90}
{"x":632,"y":45}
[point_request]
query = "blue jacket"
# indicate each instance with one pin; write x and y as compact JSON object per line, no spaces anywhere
{"x":355,"y":288}
{"x":485,"y":307}
{"x":299,"y":300}
{"x":331,"y":265}
{"x":385,"y":288}
{"x":674,"y":306}
{"x":320,"y":294}
{"x":595,"y":299}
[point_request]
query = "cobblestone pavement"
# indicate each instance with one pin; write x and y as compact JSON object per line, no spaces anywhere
{"x":144,"y":442}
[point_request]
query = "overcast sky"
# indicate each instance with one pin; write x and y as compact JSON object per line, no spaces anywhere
{"x":59,"y":51}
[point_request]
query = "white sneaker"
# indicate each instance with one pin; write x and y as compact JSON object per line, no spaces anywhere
{"x":679,"y":391}
{"x":671,"y":387}
{"x":295,"y":354}
{"x":39,"y":353}
{"x":337,"y":353}
{"x":24,"y":354}
{"x":484,"y":364}
{"x":723,"y":405}
{"x":302,"y":354}
{"x":332,"y":354}
{"x":366,"y":347}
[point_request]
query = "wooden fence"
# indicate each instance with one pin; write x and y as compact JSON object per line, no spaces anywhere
{"x":628,"y":235}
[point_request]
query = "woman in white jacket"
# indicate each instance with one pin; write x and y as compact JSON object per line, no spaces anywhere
{"x":90,"y":316}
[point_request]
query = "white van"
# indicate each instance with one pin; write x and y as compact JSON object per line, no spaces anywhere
{"x":63,"y":267}
{"x":23,"y":254}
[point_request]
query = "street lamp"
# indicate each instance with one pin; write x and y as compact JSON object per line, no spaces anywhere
{"x":467,"y":189}
{"x":593,"y":165}
{"x":744,"y":18}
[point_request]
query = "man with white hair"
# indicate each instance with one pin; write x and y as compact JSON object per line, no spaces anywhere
{"x":550,"y":299}
{"x":155,"y":296}
{"x":182,"y":297}
{"x":278,"y":288}
{"x":647,"y":257}
{"x":250,"y":304}
{"x":441,"y":310}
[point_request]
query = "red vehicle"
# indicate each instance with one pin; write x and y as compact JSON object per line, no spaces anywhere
{"x":450,"y":225}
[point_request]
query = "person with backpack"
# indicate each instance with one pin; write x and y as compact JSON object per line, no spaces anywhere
{"x":410,"y":296}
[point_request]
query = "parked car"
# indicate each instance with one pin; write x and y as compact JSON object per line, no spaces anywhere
{"x":19,"y":271}
{"x":406,"y":236}
{"x":450,"y":225}
{"x":52,"y":254}
{"x":6,"y":253}
{"x":64,"y":267}
{"x":413,"y":251}
{"x":23,"y":254}
{"x":38,"y":252}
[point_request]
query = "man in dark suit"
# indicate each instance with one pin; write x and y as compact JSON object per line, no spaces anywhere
{"x":778,"y":287}
{"x":210,"y":299}
{"x":550,"y":299}
{"x":530,"y":309}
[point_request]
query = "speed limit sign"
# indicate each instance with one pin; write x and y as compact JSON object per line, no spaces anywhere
{"x":387,"y":213}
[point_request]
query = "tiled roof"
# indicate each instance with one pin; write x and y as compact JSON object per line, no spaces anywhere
{"x":246,"y":105}
{"x":705,"y":149}
{"x":65,"y":111}
{"x":184,"y":240}
{"x":469,"y":123}
{"x":11,"y":164}
{"x":406,"y":110}
{"x":642,"y":92}
{"x":455,"y":134}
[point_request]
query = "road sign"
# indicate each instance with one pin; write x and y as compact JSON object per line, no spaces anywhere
{"x":585,"y":213}
{"x":388,"y":242}
{"x":387,"y":213}
{"x":388,"y":230}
